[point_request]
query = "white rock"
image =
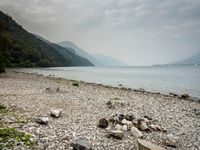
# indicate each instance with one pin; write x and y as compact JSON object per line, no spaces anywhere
{"x":136,"y":132}
{"x":128,"y":123}
{"x":117,"y":134}
{"x":142,"y":125}
{"x":118,"y":127}
{"x":144,"y":145}
{"x":125,"y":127}
{"x":55,"y":113}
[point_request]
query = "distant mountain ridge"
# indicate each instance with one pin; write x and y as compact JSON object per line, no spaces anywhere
{"x":97,"y":60}
{"x":19,"y":48}
{"x":194,"y":60}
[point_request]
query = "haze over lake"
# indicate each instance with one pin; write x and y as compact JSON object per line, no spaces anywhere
{"x":177,"y":79}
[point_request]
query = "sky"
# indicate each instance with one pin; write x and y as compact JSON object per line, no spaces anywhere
{"x":137,"y":32}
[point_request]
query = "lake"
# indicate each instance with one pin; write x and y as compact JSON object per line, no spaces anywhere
{"x":164,"y":79}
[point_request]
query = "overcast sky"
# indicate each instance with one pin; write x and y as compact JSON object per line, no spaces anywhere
{"x":137,"y":32}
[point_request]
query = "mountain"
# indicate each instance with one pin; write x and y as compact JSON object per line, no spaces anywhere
{"x":19,"y":48}
{"x":97,"y":60}
{"x":190,"y":61}
{"x":79,"y":51}
{"x":109,"y":61}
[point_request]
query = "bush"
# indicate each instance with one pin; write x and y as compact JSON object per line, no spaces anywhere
{"x":2,"y":70}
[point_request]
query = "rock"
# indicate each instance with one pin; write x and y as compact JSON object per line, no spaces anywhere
{"x":58,"y":89}
{"x":196,"y":112}
{"x":125,"y":128}
{"x":42,"y":120}
{"x":120,"y":117}
{"x":144,"y":145}
{"x":120,"y":85}
{"x":48,"y":89}
{"x":129,"y":117}
{"x":114,"y":119}
{"x":128,"y":123}
{"x":110,"y":105}
{"x":171,"y":140}
{"x":117,"y":134}
{"x":81,"y":144}
{"x":135,"y":132}
{"x":157,"y":127}
{"x":103,"y":123}
{"x":184,"y":96}
{"x":173,"y":94}
{"x":142,"y":125}
{"x":55,"y":113}
{"x":149,"y":118}
{"x":118,"y":127}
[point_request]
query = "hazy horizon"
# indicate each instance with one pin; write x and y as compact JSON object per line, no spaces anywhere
{"x":137,"y":32}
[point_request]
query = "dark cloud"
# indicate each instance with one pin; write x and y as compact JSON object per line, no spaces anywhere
{"x":133,"y":30}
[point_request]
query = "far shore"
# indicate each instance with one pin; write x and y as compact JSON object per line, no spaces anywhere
{"x":84,"y":104}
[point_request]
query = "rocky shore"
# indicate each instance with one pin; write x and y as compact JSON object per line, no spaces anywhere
{"x":54,"y":113}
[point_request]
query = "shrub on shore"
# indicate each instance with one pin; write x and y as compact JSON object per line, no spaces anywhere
{"x":2,"y":70}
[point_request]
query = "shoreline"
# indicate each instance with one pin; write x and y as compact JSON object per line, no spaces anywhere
{"x":141,"y":90}
{"x":83,"y":104}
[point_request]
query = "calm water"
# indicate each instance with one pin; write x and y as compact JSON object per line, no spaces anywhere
{"x":164,"y":79}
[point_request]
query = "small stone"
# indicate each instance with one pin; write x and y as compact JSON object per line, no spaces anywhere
{"x":117,"y":134}
{"x":144,"y":145}
{"x":81,"y":144}
{"x":120,"y":116}
{"x":118,"y":127}
{"x":149,"y":118}
{"x":173,"y":94}
{"x":136,"y":132}
{"x":125,"y":127}
{"x":129,"y":117}
{"x":58,"y":89}
{"x":103,"y":123}
{"x":128,"y":123}
{"x":48,"y":89}
{"x":55,"y":113}
{"x":42,"y":120}
{"x":157,"y":127}
{"x":171,"y":140}
{"x":110,"y":105}
{"x":184,"y":96}
{"x":142,"y":125}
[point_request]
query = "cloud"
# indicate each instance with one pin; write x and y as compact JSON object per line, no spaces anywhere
{"x":117,"y":26}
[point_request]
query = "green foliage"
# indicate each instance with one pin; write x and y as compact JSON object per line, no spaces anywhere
{"x":19,"y":48}
{"x":75,"y":83}
{"x":2,"y":69}
{"x":3,"y":109}
{"x":10,"y":136}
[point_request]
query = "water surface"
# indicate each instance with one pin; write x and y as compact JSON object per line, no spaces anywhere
{"x":164,"y":79}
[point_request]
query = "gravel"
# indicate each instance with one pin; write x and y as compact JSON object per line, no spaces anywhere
{"x":82,"y":106}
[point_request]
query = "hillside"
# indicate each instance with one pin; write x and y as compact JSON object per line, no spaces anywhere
{"x":97,"y":60}
{"x":190,"y":61}
{"x":79,"y":51}
{"x":19,"y":48}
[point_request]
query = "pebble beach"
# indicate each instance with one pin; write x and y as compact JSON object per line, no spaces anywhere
{"x":82,"y":105}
